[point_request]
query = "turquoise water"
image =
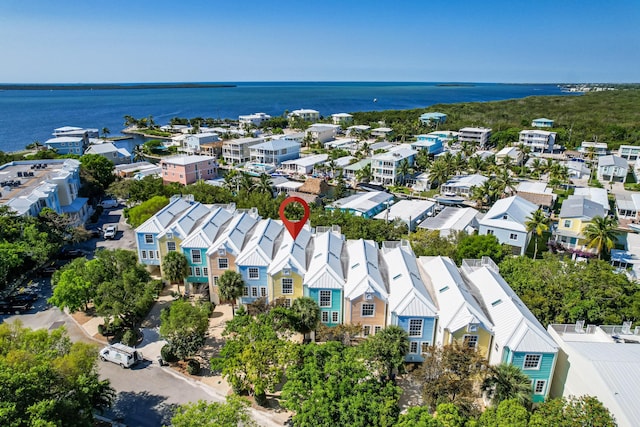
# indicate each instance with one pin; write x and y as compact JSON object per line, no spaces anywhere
{"x":30,"y":115}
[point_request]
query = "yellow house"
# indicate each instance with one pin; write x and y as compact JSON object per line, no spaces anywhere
{"x":285,"y":274}
{"x":575,"y":215}
{"x":366,"y":296}
{"x":460,"y":316}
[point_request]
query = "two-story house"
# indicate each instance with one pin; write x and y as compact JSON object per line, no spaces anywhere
{"x":477,"y":136}
{"x":542,"y":123}
{"x":410,"y":305}
{"x":187,"y":170}
{"x":254,"y":119}
{"x":506,"y":220}
{"x":325,"y":277}
{"x":612,"y":169}
{"x":433,"y":118}
{"x":193,"y":143}
{"x":222,"y":254}
{"x":341,"y":119}
{"x":147,"y":233}
{"x":200,"y":240}
{"x":109,"y":151}
{"x":322,"y":132}
{"x":519,"y":338}
{"x":431,"y":143}
{"x":575,"y":214}
{"x":461,"y":319}
{"x":305,"y":114}
{"x":256,"y":256}
{"x":385,"y":166}
{"x":67,"y":144}
{"x":275,"y":151}
{"x":286,"y":271}
{"x":365,"y":292}
{"x":236,"y":151}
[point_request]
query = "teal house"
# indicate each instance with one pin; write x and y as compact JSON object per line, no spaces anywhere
{"x":519,"y":338}
{"x":433,"y":118}
{"x":367,"y":204}
{"x":325,"y":277}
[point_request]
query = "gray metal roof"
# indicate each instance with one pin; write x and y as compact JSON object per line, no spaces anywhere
{"x":580,"y":207}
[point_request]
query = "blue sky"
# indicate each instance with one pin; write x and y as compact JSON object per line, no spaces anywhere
{"x":74,"y":41}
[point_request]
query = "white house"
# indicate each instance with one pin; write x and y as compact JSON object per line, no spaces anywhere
{"x":538,"y":140}
{"x":478,"y":136}
{"x":109,"y":151}
{"x":452,"y":219}
{"x":629,"y":152}
{"x":598,"y":148}
{"x":237,"y":151}
{"x":341,"y":118}
{"x":306,"y":115}
{"x":275,"y":151}
{"x":381,"y":132}
{"x":193,"y":143}
{"x":384,"y":166}
{"x":322,"y":132}
{"x":410,"y":212}
{"x":304,"y":165}
{"x":612,"y":169}
{"x":254,"y":119}
{"x":461,"y":185}
{"x":506,"y":220}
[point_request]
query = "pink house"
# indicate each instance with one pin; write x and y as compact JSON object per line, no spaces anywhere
{"x":188,"y":169}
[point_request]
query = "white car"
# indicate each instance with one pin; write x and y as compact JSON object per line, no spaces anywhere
{"x":109,"y":203}
{"x":121,"y":354}
{"x":110,"y":231}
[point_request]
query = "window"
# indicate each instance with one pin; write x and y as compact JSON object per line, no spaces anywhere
{"x":413,"y":347}
{"x":325,"y":317}
{"x":368,"y":310}
{"x":148,"y":238}
{"x":245,"y":291}
{"x":424,"y":346}
{"x":151,"y":254}
{"x":471,"y":341}
{"x":415,"y":327}
{"x":190,"y":271}
{"x":198,"y":271}
{"x":513,"y":236}
{"x":205,"y":271}
{"x":144,"y":254}
{"x":567,"y":223}
{"x":532,"y":361}
{"x":196,"y":256}
{"x":376,"y":329}
{"x":335,"y":317}
{"x":158,"y":254}
{"x":287,"y":302}
{"x":325,"y":298}
{"x":254,"y":273}
{"x":263,"y":292}
{"x":171,"y":246}
{"x":223,"y":263}
{"x":539,"y":386}
{"x":287,"y":286}
{"x":215,"y":280}
{"x":254,"y":292}
{"x":366,"y":330}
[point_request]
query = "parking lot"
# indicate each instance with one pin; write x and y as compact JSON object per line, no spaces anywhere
{"x":124,"y":239}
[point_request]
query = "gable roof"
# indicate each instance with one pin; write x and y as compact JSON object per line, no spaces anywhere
{"x":260,"y":248}
{"x":164,"y":216}
{"x":408,"y":294}
{"x":457,"y":306}
{"x":207,"y":231}
{"x":611,"y":160}
{"x":187,"y":221}
{"x":325,"y":268}
{"x":580,"y":207}
{"x":235,"y":234}
{"x":364,"y":270}
{"x":292,"y":253}
{"x":515,"y":326}
{"x":515,"y":208}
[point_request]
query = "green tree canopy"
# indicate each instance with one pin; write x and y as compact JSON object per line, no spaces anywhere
{"x":306,"y":314}
{"x":145,"y":210}
{"x":73,"y":287}
{"x":232,"y":413}
{"x":45,"y":380}
{"x":230,"y":286}
{"x":573,"y":412}
{"x":97,"y":169}
{"x":506,"y":381}
{"x":387,"y":349}
{"x":175,"y":267}
{"x":185,"y":327}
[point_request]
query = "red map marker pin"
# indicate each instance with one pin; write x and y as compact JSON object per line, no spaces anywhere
{"x":294,"y":227}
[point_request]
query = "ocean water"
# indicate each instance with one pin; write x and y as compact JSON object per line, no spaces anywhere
{"x":31,"y":115}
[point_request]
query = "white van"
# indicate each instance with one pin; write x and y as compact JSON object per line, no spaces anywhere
{"x":121,"y":354}
{"x":109,"y":203}
{"x":110,"y":231}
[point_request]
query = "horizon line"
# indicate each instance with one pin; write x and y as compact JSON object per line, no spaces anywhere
{"x":306,"y":81}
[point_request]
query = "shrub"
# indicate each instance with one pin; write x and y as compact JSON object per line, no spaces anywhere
{"x":167,"y":354}
{"x":193,"y":367}
{"x":208,"y":306}
{"x":129,"y":338}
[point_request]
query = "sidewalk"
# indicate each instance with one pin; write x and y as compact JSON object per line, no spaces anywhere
{"x":152,"y":343}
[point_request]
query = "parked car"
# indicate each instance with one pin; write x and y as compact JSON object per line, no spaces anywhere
{"x":110,"y":231}
{"x":109,"y":203}
{"x":66,"y":253}
{"x":14,"y":307}
{"x":23,"y":297}
{"x":121,"y":354}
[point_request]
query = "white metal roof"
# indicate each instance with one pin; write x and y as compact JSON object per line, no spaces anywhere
{"x":364,"y":270}
{"x":396,"y":153}
{"x":457,"y":306}
{"x":515,"y":326}
{"x":207,"y":231}
{"x":235,"y":234}
{"x":362,"y":202}
{"x":260,"y":248}
{"x":408,"y":295}
{"x":307,"y":160}
{"x":292,"y":253}
{"x":406,"y":210}
{"x":598,"y":195}
{"x":187,"y":220}
{"x":184,"y":160}
{"x":452,"y":218}
{"x":516,"y":209}
{"x":276,"y":144}
{"x":325,"y":268}
{"x":164,"y":216}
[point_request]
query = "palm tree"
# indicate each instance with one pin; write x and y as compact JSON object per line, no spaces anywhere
{"x":403,"y":170}
{"x":230,"y":287}
{"x":245,"y":182}
{"x":439,"y":172}
{"x":538,"y":223}
{"x":601,"y":233}
{"x":537,"y":167}
{"x":105,"y":132}
{"x":364,"y":174}
{"x":475,"y":164}
{"x":467,"y":148}
{"x":506,"y":381}
{"x":507,"y":183}
{"x":307,"y":314}
{"x":422,"y":160}
{"x":459,"y":163}
{"x":175,"y":267}
{"x":263,"y":185}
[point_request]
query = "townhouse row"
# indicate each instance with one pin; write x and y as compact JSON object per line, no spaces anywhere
{"x":354,"y":282}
